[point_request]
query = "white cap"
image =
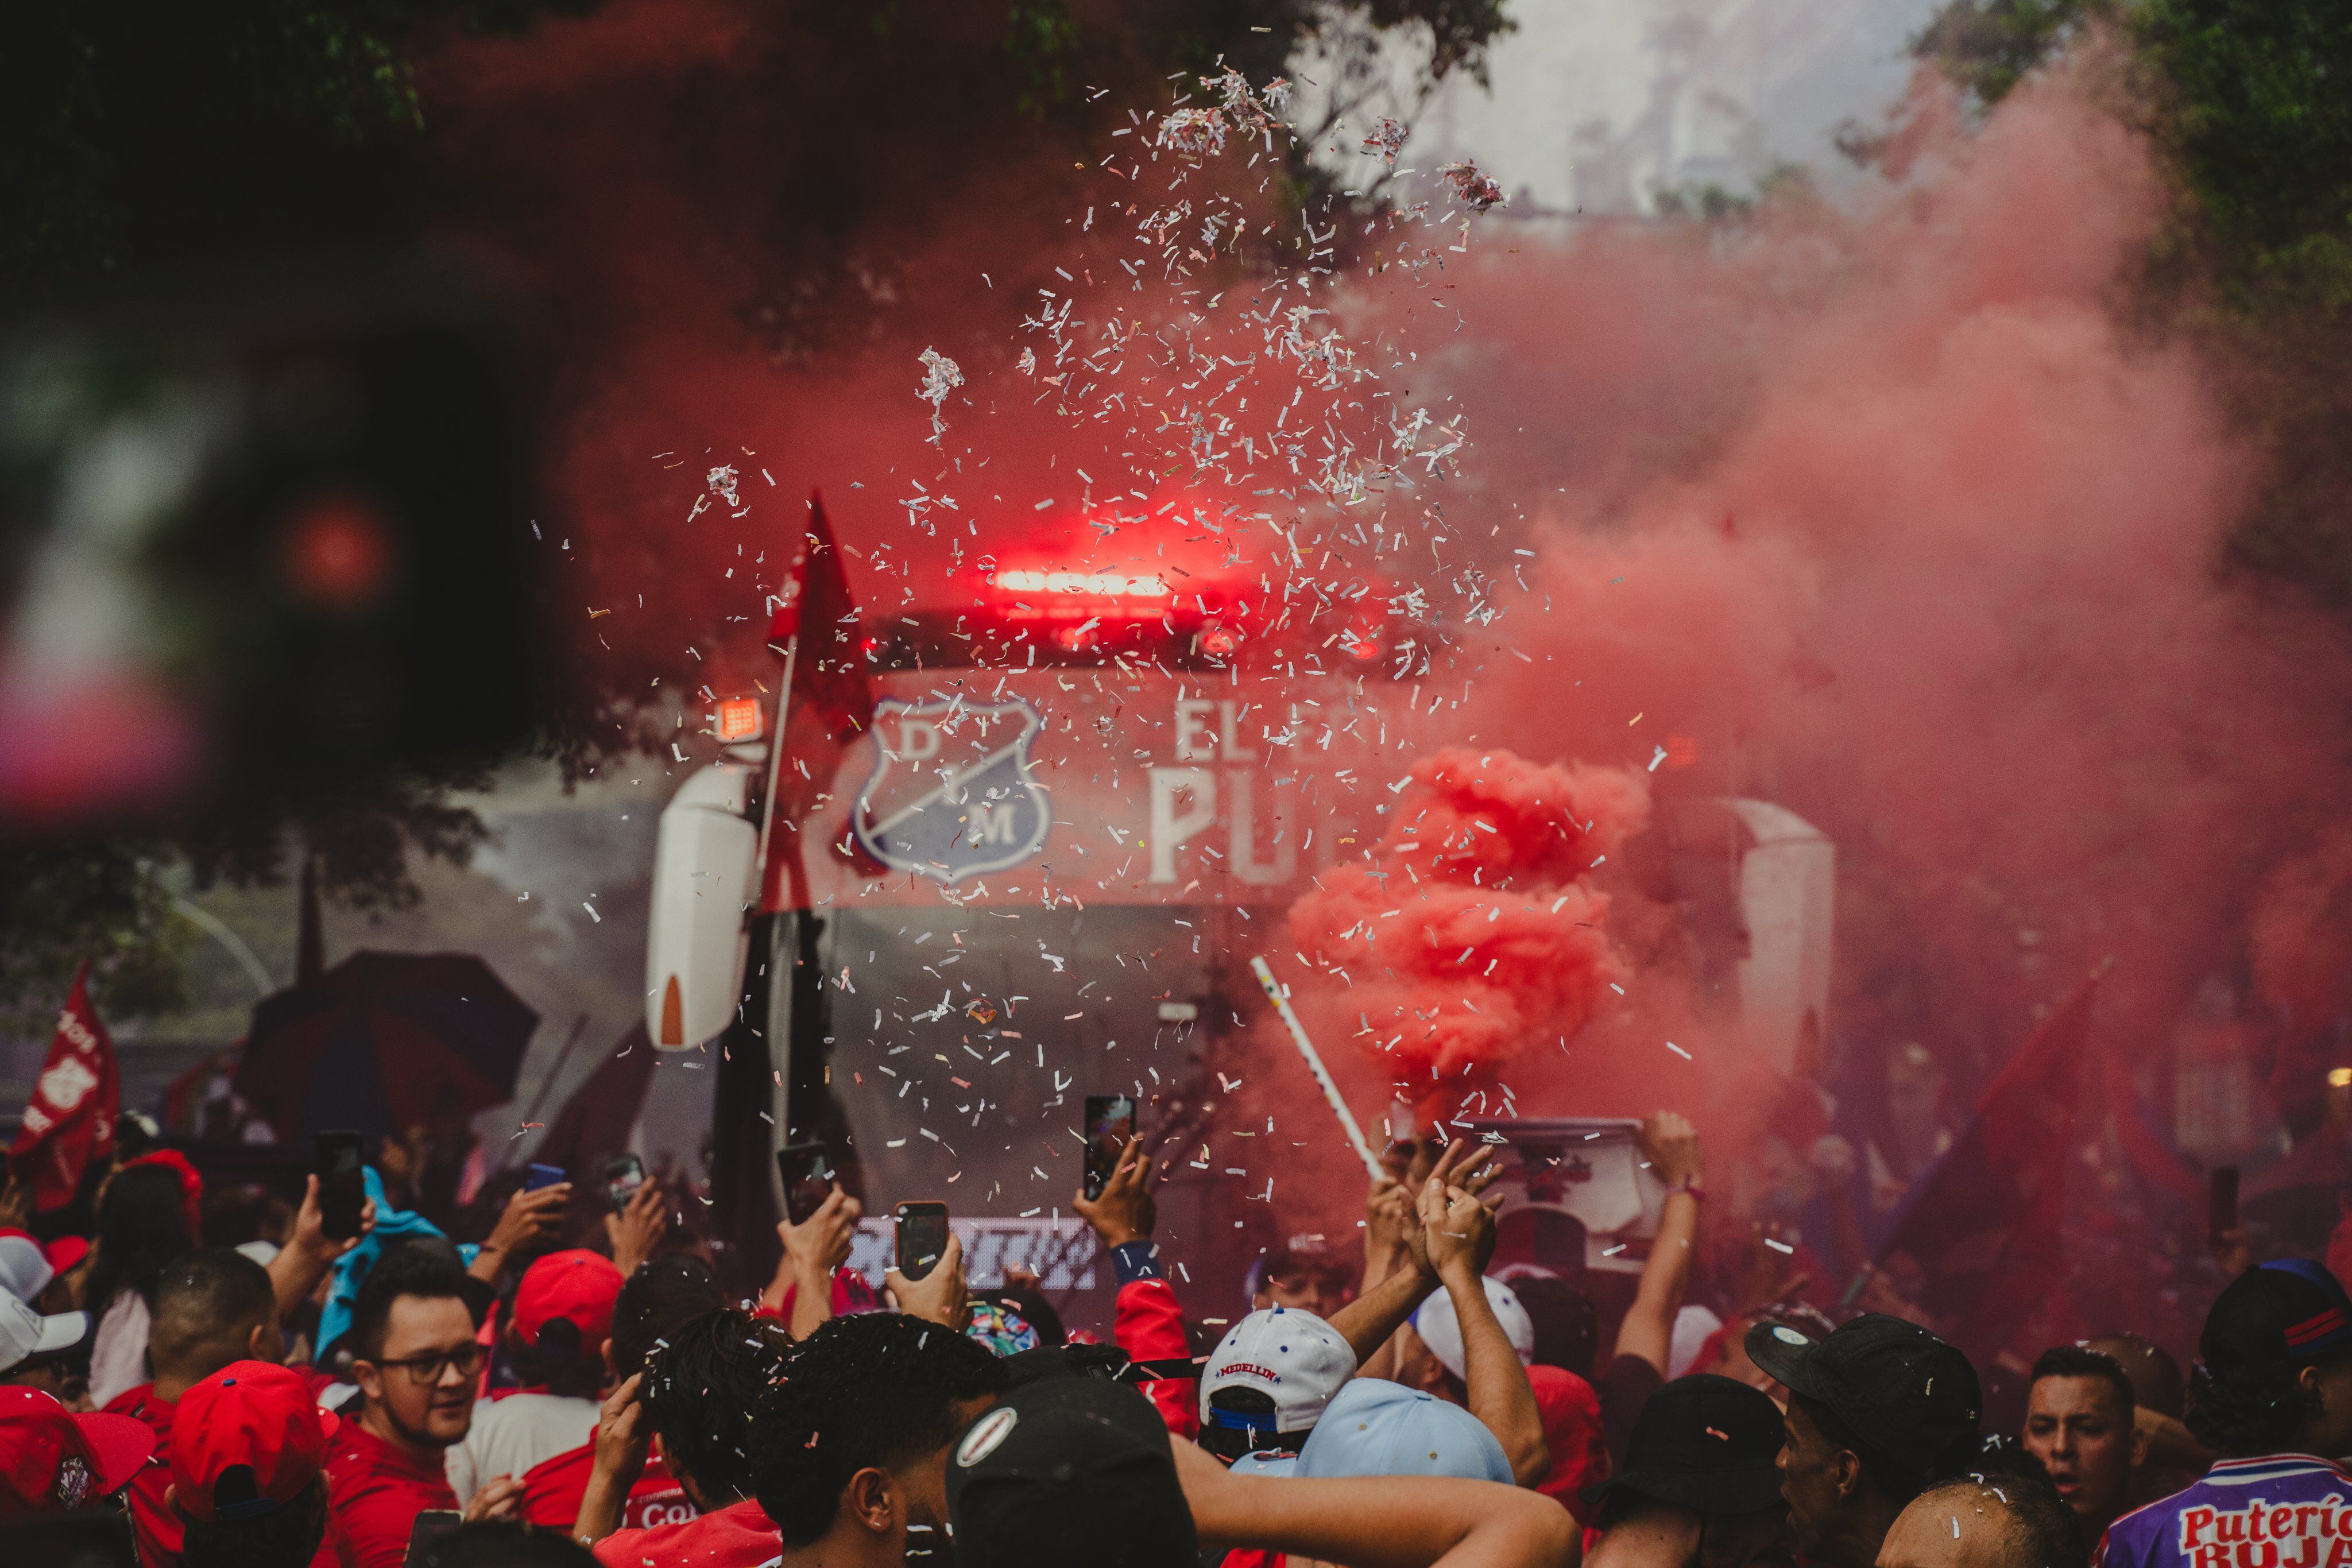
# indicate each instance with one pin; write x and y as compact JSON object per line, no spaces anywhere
{"x":1295,"y":1358}
{"x":1440,"y":1330}
{"x":25,"y":1333}
{"x":25,"y":1271}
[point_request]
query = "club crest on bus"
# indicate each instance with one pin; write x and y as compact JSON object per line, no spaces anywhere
{"x":950,"y":795}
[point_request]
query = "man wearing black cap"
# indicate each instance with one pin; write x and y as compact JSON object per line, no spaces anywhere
{"x":1701,"y":1486}
{"x":2274,"y":1395}
{"x":1878,"y":1408}
{"x":1076,"y":1471}
{"x":847,"y":1450}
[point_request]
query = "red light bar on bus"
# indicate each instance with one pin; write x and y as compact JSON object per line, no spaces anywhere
{"x":1088,"y":584}
{"x":740,"y":719}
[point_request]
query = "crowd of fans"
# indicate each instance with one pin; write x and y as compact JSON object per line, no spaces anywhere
{"x":401,"y":1398}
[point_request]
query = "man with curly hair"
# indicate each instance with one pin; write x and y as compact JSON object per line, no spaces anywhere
{"x":2274,"y":1396}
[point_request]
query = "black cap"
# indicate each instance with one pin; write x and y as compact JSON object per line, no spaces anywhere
{"x":1909,"y":1399}
{"x":1704,"y":1443}
{"x":1069,"y":1469}
{"x":2288,"y":1313}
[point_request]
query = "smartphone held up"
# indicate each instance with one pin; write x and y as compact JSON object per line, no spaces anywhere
{"x":342,"y":1184}
{"x":923,"y":1238}
{"x":807,"y":1173}
{"x":1110,"y":1126}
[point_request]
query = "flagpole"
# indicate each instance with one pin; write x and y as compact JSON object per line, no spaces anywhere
{"x":775,"y":762}
{"x":1331,"y":1094}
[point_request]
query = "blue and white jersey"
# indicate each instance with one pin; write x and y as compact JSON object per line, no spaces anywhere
{"x":2284,"y":1510}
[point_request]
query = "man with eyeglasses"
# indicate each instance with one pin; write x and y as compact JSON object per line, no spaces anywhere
{"x":416,"y":1362}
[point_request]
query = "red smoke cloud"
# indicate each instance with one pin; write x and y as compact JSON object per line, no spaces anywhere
{"x":1918,"y":537}
{"x":1472,"y":935}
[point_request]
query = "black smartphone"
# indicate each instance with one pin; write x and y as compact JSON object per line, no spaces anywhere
{"x":625,"y":1174}
{"x":429,"y":1527}
{"x":342,"y":1185}
{"x":808,"y":1176}
{"x":1110,"y":1123}
{"x":2220,"y":1203}
{"x":536,"y":1177}
{"x":922,"y":1237}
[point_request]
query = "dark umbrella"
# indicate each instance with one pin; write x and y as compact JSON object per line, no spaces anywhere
{"x":382,"y":1041}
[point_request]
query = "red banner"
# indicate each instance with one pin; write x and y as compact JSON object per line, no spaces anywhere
{"x":70,"y":1120}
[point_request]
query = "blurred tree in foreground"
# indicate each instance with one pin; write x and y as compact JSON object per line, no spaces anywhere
{"x":135,"y":143}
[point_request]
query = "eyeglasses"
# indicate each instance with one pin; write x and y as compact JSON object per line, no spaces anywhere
{"x":427,"y":1370}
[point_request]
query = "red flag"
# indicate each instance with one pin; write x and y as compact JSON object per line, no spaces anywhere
{"x":69,"y":1121}
{"x":1982,"y":1226}
{"x":828,"y":701}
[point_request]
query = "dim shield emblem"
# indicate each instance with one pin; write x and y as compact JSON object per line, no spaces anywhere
{"x":950,"y":795}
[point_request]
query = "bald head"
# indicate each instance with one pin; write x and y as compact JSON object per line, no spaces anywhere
{"x":211,"y":1307}
{"x":1993,"y":1521}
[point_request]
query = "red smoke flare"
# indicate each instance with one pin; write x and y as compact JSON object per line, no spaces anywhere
{"x":1477,"y":935}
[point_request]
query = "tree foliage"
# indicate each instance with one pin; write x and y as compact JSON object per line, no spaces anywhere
{"x":2246,"y":104}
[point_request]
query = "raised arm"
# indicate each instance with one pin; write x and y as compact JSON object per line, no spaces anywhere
{"x":1397,"y":1277}
{"x":1147,"y":1321}
{"x":1459,"y":1231}
{"x":813,"y":1252}
{"x":1393,"y":1521}
{"x":310,"y":1252}
{"x":1670,"y":1145}
{"x":528,"y":1219}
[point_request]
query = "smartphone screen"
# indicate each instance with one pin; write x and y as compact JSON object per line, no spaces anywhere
{"x":922,"y":1237}
{"x":625,"y":1174}
{"x":1110,"y":1123}
{"x":343,"y":1187}
{"x":428,"y":1527}
{"x":2222,"y":1203}
{"x":808,"y":1177}
{"x":537,"y":1176}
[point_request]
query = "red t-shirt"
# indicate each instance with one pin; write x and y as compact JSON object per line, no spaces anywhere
{"x":552,"y":1490}
{"x":151,"y":1519}
{"x":741,"y":1536}
{"x":374,"y":1492}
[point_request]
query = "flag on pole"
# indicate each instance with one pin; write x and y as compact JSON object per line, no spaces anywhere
{"x":1982,"y":1226}
{"x":69,"y":1121}
{"x":826,"y":701}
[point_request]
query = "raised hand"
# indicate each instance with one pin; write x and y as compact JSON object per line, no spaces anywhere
{"x":1126,"y":1211}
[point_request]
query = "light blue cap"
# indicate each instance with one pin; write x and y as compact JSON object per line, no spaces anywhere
{"x":1375,"y":1427}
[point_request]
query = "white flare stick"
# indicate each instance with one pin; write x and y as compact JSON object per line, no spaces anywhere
{"x":1315,"y":1065}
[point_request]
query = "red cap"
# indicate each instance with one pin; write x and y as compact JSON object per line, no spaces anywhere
{"x":253,"y":1415}
{"x":580,"y":1285}
{"x":66,"y":1251}
{"x":54,"y":1461}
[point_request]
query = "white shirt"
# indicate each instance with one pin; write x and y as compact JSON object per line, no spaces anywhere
{"x":509,"y":1436}
{"x":118,"y":1356}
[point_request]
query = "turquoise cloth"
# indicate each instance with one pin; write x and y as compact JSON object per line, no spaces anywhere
{"x":391,"y":1226}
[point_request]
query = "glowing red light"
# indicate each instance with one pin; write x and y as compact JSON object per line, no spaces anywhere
{"x":1359,"y":647}
{"x":739,"y":718}
{"x":1082,"y":584}
{"x":1682,"y":750}
{"x":337,"y":553}
{"x":1075,"y":637}
{"x":1216,"y":642}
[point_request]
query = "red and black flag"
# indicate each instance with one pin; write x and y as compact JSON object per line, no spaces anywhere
{"x":1982,"y":1227}
{"x":825,"y":705}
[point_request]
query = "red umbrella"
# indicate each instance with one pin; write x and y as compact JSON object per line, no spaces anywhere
{"x":382,"y":1041}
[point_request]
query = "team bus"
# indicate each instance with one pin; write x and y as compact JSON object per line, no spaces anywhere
{"x":1070,"y":812}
